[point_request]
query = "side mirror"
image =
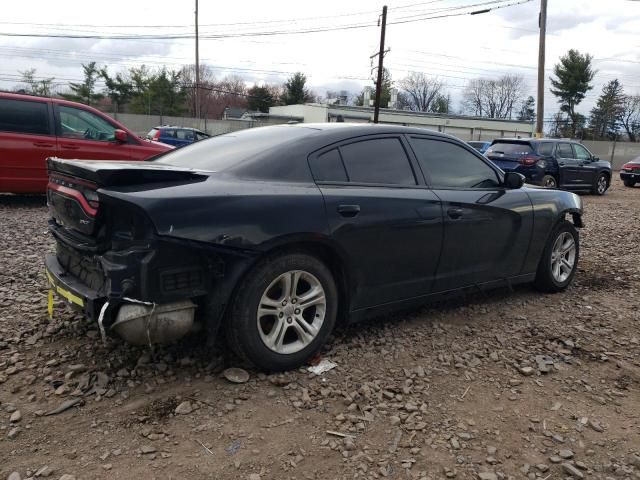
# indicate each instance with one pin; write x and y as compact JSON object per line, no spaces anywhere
{"x":595,"y":159}
{"x":514,"y":180}
{"x":121,"y":136}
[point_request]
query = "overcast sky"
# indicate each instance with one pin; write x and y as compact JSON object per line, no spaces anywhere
{"x":454,"y":49}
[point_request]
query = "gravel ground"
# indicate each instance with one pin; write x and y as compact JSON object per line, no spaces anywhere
{"x":511,"y":385}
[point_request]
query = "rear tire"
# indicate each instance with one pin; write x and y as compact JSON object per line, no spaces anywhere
{"x":601,"y":185}
{"x":549,"y":181}
{"x":629,"y":183}
{"x":559,"y":260}
{"x":283,"y":312}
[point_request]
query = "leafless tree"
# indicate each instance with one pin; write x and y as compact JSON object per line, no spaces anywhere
{"x":205,"y":94}
{"x":493,"y":98}
{"x":630,"y":118}
{"x":420,"y":91}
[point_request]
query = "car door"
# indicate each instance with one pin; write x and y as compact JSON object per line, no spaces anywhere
{"x":487,"y":227}
{"x":26,"y":140}
{"x":568,"y":166}
{"x":85,"y":135}
{"x":586,"y":167}
{"x":388,"y":224}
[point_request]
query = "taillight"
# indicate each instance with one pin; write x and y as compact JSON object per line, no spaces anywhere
{"x":81,"y":190}
{"x":528,"y":160}
{"x":157,"y":135}
{"x":630,"y":166}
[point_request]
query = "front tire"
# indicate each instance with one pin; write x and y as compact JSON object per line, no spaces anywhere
{"x":629,"y":183}
{"x":602,"y":184}
{"x":283,"y":312}
{"x":559,"y":260}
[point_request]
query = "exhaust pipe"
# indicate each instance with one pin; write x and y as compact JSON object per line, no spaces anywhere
{"x":140,"y":324}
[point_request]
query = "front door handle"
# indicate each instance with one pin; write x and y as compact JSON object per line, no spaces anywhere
{"x":454,"y":213}
{"x":69,"y":146}
{"x":43,"y":144}
{"x":348,"y":210}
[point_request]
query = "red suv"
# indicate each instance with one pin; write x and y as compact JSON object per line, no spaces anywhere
{"x":34,"y":128}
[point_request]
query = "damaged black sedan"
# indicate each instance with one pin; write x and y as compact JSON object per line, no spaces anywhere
{"x":270,"y":235}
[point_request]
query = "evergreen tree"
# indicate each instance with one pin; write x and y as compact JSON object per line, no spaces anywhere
{"x":85,"y":92}
{"x":260,"y":98}
{"x":607,"y":114}
{"x":528,"y":111}
{"x":295,"y":91}
{"x":573,"y":80}
{"x":118,"y":89}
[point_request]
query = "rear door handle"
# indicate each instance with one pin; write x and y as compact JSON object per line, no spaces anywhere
{"x":43,"y":144}
{"x":454,"y":213}
{"x":348,"y":210}
{"x":69,"y":146}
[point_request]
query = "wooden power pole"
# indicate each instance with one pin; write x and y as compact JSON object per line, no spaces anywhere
{"x":541,"y":51}
{"x":197,"y":86}
{"x":376,"y":111}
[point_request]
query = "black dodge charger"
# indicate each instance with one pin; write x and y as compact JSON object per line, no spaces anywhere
{"x":272,"y":234}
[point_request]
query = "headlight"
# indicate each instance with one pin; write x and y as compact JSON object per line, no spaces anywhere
{"x":541,"y":164}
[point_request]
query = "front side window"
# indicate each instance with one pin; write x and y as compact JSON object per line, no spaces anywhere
{"x":581,"y":152}
{"x":565,"y":150}
{"x":81,"y":124}
{"x":21,"y":116}
{"x":379,"y":160}
{"x":450,"y":166}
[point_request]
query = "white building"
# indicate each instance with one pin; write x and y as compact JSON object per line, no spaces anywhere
{"x":463,"y":127}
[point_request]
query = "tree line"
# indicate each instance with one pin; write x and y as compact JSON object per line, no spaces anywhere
{"x":172,"y":92}
{"x":162,"y":91}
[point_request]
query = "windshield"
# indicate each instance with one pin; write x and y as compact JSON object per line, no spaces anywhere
{"x":219,"y":153}
{"x":510,"y":148}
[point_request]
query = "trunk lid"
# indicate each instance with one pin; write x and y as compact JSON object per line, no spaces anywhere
{"x":73,"y":192}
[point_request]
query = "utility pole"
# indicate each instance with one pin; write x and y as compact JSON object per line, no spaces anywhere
{"x":376,"y":110}
{"x":541,"y":51}
{"x":196,"y":95}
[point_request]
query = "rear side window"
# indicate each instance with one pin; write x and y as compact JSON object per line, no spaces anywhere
{"x":451,"y":166}
{"x":510,"y":148}
{"x":328,"y":167}
{"x":565,"y":150}
{"x":545,"y":148}
{"x":380,"y":160}
{"x":21,"y":116}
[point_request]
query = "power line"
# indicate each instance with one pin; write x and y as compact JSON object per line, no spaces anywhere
{"x":263,"y":33}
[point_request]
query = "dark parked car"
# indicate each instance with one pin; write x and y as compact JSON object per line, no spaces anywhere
{"x":630,"y":172}
{"x":176,"y":136}
{"x":552,"y":163}
{"x":480,"y":146}
{"x":34,"y":128}
{"x":274,"y":233}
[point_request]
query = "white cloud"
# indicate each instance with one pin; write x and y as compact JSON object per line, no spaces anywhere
{"x":455,"y":49}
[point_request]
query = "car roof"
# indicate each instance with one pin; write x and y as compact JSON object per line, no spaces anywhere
{"x":535,"y":140}
{"x":175,"y":127}
{"x":346,"y":130}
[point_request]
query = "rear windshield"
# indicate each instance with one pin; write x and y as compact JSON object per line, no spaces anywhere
{"x":219,"y":153}
{"x":152,"y":133}
{"x":510,"y":148}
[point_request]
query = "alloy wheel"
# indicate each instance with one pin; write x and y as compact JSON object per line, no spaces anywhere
{"x":550,"y":182}
{"x":291,"y":312}
{"x":602,"y":184}
{"x":563,"y":257}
